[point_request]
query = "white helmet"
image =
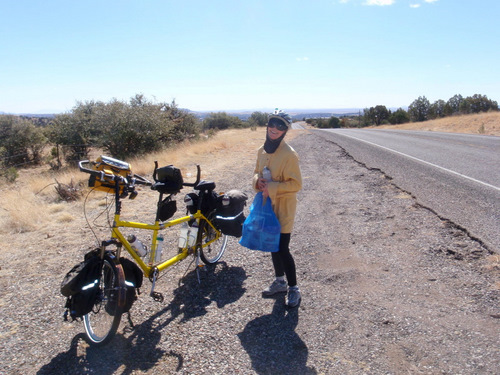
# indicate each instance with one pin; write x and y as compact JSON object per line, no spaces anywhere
{"x":280,"y":117}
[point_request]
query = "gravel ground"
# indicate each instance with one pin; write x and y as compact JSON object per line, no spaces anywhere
{"x":388,"y":288}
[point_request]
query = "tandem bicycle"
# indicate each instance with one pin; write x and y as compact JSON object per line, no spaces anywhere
{"x":202,"y":234}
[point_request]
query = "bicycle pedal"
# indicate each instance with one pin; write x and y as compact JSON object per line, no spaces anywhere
{"x":157,"y":296}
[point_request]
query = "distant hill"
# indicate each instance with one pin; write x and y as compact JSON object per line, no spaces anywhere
{"x":31,"y":115}
{"x":296,"y":114}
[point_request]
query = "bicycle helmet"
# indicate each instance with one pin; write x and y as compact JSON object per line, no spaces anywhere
{"x":280,"y":117}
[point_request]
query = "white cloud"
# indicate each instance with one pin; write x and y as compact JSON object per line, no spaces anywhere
{"x":302,"y":58}
{"x":379,"y":2}
{"x":418,"y":5}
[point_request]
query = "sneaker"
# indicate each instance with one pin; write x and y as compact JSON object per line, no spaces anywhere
{"x":275,"y":288}
{"x":293,"y":298}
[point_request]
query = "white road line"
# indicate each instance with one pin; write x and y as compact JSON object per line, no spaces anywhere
{"x":423,"y":161}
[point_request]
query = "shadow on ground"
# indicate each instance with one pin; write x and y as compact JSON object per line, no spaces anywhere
{"x":272,"y":343}
{"x":139,"y":348}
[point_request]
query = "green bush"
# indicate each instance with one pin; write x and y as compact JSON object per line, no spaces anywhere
{"x":399,"y":117}
{"x":221,"y":121}
{"x":10,"y":174}
{"x":21,"y":142}
{"x":122,"y":129}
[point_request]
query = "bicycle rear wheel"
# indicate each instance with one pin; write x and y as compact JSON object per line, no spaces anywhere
{"x":102,"y":322}
{"x":213,"y":252}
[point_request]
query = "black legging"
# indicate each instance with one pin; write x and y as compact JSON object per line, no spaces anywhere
{"x":283,"y":261}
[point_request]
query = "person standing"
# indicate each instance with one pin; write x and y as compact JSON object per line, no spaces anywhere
{"x":277,"y":175}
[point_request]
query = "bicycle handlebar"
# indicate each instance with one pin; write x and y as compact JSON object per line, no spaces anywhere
{"x":193,"y":184}
{"x":95,"y":173}
{"x":141,"y":180}
{"x":198,"y":175}
{"x":136,"y":179}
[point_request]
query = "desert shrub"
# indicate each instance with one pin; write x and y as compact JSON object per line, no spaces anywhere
{"x":21,"y":142}
{"x":69,"y":192}
{"x":122,"y":129}
{"x":10,"y":174}
{"x":221,"y":121}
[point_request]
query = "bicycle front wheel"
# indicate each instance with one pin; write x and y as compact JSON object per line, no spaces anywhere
{"x":102,"y":322}
{"x":212,"y":252}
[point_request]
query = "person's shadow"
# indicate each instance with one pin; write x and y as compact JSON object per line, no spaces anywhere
{"x":273,"y":345}
{"x":141,"y":350}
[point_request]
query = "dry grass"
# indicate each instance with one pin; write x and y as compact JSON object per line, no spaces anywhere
{"x":32,"y":204}
{"x":487,"y":123}
{"x":21,"y":212}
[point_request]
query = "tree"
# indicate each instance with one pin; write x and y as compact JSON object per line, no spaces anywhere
{"x":437,"y":109}
{"x":380,"y":114}
{"x":21,"y":142}
{"x":480,"y":103}
{"x":334,"y":122}
{"x":76,"y":131}
{"x":376,"y":115}
{"x":323,"y":123}
{"x":221,"y":121}
{"x":258,"y":119}
{"x":123,"y":129}
{"x":183,"y":125}
{"x":453,"y":105}
{"x":419,"y":109}
{"x":399,"y":117}
{"x":141,"y":126}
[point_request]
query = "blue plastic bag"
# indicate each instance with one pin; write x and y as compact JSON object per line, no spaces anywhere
{"x":261,"y":229}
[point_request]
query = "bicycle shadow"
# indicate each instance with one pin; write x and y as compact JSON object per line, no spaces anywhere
{"x":273,"y":345}
{"x":141,"y":351}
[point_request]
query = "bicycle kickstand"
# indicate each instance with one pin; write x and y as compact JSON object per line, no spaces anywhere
{"x":198,"y":265}
{"x":157,"y":296}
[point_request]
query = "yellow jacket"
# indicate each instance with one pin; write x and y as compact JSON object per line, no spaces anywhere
{"x":286,"y":182}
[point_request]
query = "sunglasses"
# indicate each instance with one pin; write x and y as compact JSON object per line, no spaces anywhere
{"x":278,"y":125}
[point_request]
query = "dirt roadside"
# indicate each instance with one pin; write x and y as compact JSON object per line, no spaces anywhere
{"x":388,"y":288}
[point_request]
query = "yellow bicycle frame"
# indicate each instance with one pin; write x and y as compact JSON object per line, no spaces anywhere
{"x":149,"y":268}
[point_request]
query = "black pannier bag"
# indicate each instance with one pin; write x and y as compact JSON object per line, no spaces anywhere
{"x":133,"y":281}
{"x":81,"y":286}
{"x":229,"y":213}
{"x":166,"y":209}
{"x":168,"y":179}
{"x":210,"y":202}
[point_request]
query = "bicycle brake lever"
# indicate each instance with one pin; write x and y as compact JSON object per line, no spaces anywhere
{"x":133,"y":194}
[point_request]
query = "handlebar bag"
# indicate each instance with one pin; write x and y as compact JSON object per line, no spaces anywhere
{"x":168,"y":179}
{"x":261,"y":229}
{"x":109,"y":166}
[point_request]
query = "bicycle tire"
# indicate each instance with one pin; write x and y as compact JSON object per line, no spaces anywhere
{"x":213,"y":252}
{"x":102,"y":322}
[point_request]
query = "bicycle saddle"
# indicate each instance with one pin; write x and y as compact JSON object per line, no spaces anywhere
{"x":205,"y":185}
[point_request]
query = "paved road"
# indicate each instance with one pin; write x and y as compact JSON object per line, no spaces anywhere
{"x":455,"y":175}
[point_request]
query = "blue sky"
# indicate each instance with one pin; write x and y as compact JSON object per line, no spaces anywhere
{"x":253,"y":55}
